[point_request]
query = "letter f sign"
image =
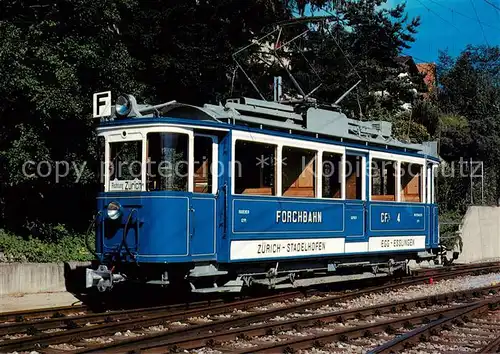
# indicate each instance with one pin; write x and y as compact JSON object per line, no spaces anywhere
{"x":102,"y":104}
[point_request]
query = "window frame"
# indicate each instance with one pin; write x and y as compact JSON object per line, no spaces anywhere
{"x":214,"y":168}
{"x":118,"y":137}
{"x":433,"y":181}
{"x":397,"y":180}
{"x":316,"y":176}
{"x":424,"y":189}
{"x":341,"y":173}
{"x":365,"y":172}
{"x":276,"y":166}
{"x":103,"y":161}
{"x":114,"y":134}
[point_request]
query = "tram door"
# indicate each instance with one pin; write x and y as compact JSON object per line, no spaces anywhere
{"x":203,"y":201}
{"x":355,"y":195}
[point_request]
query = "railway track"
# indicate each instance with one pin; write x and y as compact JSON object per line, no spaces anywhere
{"x":77,"y":327}
{"x":61,"y":311}
{"x":456,"y":267}
{"x":55,"y":318}
{"x":316,"y":331}
{"x":112,"y":331}
{"x":474,"y":329}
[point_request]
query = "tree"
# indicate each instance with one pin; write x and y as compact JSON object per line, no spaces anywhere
{"x":468,"y":96}
{"x":186,"y":47}
{"x":53,"y":56}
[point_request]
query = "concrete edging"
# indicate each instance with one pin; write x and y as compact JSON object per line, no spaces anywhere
{"x":26,"y":278}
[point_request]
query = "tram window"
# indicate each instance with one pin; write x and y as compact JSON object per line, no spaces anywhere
{"x":411,"y":182}
{"x":125,"y":160}
{"x":255,"y":168}
{"x":299,"y":171}
{"x":167,"y":159}
{"x":332,"y":183}
{"x":203,"y":164}
{"x":383,"y":180}
{"x":353,"y":177}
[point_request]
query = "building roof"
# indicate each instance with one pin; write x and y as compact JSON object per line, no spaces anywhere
{"x":403,"y":59}
{"x":429,"y":70}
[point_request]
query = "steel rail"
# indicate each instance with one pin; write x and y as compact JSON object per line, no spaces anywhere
{"x":200,"y":340}
{"x":37,"y":313}
{"x":368,"y":330}
{"x":492,"y":347}
{"x":119,"y":315}
{"x":168,"y":338}
{"x":256,"y":316}
{"x":44,"y":339}
{"x":19,"y":316}
{"x":406,"y":340}
{"x":197,"y":340}
{"x":455,"y":267}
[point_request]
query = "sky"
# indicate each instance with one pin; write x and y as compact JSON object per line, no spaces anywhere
{"x":451,"y":25}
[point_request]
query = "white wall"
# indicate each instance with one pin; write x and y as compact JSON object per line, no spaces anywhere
{"x":481,"y":234}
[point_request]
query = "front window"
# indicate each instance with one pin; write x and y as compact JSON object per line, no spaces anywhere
{"x":125,"y":168}
{"x":167,"y":162}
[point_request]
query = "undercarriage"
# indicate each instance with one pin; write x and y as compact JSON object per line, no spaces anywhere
{"x":233,"y":277}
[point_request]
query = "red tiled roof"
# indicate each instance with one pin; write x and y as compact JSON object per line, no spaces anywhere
{"x":429,"y":69}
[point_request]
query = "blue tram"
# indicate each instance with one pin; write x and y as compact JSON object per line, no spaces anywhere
{"x":223,"y":197}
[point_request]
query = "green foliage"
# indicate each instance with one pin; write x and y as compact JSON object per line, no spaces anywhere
{"x":410,"y":131}
{"x":405,"y":127}
{"x":450,"y":223}
{"x":470,"y":88}
{"x":469,"y":127}
{"x":67,"y":247}
{"x":53,"y":56}
{"x":185,"y":47}
{"x":454,"y":135}
{"x":426,"y":113}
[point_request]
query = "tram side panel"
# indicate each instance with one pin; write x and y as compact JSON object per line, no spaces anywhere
{"x":271,"y":228}
{"x":266,"y":228}
{"x":398,"y":227}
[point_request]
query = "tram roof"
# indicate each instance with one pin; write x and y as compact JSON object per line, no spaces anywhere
{"x":324,"y":120}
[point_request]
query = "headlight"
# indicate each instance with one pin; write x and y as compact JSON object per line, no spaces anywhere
{"x":114,"y":210}
{"x":123,"y":106}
